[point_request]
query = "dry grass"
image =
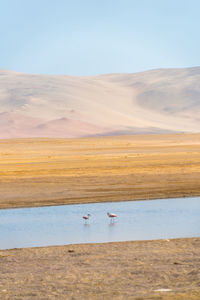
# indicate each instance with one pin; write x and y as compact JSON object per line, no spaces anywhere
{"x":36,"y":172}
{"x":128,"y":270}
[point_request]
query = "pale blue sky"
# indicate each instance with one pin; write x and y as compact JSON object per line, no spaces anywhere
{"x":88,"y":37}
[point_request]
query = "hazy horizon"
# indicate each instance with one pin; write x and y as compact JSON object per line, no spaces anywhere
{"x":102,"y":74}
{"x":155,"y":101}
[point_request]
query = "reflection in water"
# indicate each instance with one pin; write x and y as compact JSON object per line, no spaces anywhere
{"x":111,"y":230}
{"x":58,"y":225}
{"x":86,"y":233}
{"x":112,"y":221}
{"x":86,"y":225}
{"x":111,"y":224}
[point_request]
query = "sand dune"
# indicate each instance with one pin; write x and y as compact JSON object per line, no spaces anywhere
{"x":18,"y":125}
{"x":164,"y":100}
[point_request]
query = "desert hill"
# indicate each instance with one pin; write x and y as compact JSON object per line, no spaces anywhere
{"x":163,"y":100}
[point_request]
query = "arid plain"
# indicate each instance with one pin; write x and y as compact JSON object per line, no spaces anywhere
{"x":39,"y":172}
{"x":128,"y":270}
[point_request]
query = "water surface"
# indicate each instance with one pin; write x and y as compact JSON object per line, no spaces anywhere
{"x":137,"y":220}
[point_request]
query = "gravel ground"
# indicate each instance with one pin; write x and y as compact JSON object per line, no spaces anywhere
{"x":123,"y":270}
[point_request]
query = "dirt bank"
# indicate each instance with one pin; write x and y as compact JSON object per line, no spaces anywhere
{"x":125,"y":270}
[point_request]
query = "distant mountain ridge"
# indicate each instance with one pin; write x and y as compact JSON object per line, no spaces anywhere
{"x":162,"y":100}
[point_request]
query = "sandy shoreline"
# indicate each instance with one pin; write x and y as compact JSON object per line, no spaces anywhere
{"x":123,"y":270}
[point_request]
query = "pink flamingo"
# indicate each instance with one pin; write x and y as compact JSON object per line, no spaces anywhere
{"x":86,"y":217}
{"x":111,"y":216}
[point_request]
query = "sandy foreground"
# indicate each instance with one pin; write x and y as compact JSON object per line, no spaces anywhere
{"x":38,"y":172}
{"x":160,"y":269}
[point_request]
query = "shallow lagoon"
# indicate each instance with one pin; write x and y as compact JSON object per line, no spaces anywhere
{"x":137,"y":220}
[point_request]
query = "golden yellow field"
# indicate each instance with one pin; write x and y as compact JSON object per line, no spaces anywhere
{"x":36,"y":172}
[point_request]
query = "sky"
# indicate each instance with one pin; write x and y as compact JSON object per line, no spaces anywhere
{"x":91,"y":37}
